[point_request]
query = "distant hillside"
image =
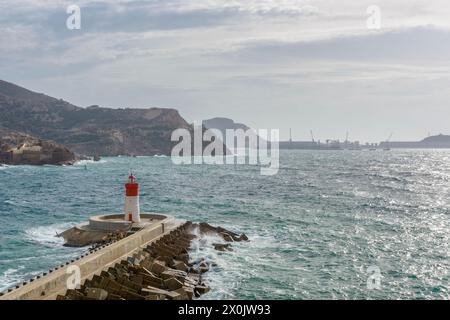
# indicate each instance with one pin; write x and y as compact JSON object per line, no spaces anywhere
{"x":437,"y":139}
{"x":440,"y":141}
{"x":223,"y":124}
{"x":89,"y":131}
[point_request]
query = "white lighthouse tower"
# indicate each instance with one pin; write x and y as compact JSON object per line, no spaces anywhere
{"x":132,"y":211}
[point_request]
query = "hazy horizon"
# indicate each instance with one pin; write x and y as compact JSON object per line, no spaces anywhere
{"x":300,"y":64}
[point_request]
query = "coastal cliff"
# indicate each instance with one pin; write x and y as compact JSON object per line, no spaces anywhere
{"x":20,"y":148}
{"x":89,"y":131}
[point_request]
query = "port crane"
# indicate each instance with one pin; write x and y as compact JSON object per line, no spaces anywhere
{"x":346,"y":141}
{"x":387,"y":148}
{"x":290,"y":138}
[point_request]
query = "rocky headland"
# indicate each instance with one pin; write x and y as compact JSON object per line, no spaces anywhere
{"x":93,"y":131}
{"x":18,"y":148}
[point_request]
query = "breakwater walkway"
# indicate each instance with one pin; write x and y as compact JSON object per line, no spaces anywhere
{"x":53,"y":284}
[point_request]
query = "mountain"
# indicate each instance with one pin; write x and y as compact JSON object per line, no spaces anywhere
{"x":222,"y":124}
{"x":440,"y":141}
{"x":20,"y":148}
{"x":441,"y":138}
{"x":89,"y":131}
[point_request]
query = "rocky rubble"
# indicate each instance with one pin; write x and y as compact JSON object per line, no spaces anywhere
{"x":161,"y":271}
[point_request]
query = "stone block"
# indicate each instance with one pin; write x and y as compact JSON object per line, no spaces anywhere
{"x":158,"y":267}
{"x":180,"y":265}
{"x":96,"y":293}
{"x":171,"y":273}
{"x":173,"y":284}
{"x":202,"y":289}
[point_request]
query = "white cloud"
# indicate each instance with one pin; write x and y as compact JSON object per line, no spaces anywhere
{"x":240,"y":58}
{"x":16,"y":38}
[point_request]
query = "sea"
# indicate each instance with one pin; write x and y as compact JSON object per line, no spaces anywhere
{"x":329,"y":225}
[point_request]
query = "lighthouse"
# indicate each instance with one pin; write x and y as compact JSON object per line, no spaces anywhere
{"x":132,"y":211}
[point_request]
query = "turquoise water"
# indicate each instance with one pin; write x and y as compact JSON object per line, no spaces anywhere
{"x":315,"y":228}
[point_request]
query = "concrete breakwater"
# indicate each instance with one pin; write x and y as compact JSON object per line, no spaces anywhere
{"x":153,"y":263}
{"x":160,"y":271}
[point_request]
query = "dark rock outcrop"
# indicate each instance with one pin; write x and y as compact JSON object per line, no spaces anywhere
{"x":19,"y":148}
{"x":222,"y":246}
{"x":227,"y":235}
{"x":78,"y":237}
{"x":224,"y":124}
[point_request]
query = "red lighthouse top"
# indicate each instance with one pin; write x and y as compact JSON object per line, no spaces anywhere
{"x":132,"y":188}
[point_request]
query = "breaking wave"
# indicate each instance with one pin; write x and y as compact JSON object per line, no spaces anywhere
{"x":10,"y":277}
{"x":47,"y":235}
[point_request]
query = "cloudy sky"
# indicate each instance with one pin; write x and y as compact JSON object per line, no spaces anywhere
{"x":305,"y":64}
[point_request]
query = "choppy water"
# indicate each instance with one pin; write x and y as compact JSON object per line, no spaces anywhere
{"x":315,"y":228}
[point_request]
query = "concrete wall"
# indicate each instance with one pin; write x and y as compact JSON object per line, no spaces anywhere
{"x":49,"y":286}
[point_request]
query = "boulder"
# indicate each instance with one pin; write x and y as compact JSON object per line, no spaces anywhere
{"x":166,"y":259}
{"x":179,"y":265}
{"x":243,"y":237}
{"x":96,"y":293}
{"x":201,"y":289}
{"x":184,"y":295}
{"x":173,"y":284}
{"x":158,"y":267}
{"x":183,"y":257}
{"x":227,"y":237}
{"x":147,"y":263}
{"x":137,"y":278}
{"x":188,"y":291}
{"x":152,"y":291}
{"x":74,"y":295}
{"x":193,"y":278}
{"x":203,"y":267}
{"x":222,"y":247}
{"x":171,"y":273}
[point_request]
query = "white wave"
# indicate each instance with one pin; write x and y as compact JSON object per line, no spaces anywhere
{"x":10,"y":277}
{"x":229,"y":269}
{"x":85,"y":162}
{"x":225,"y":271}
{"x":47,"y":235}
{"x":160,"y":156}
{"x":19,"y":203}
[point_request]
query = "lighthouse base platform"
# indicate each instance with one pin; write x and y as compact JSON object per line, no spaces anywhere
{"x":106,"y":228}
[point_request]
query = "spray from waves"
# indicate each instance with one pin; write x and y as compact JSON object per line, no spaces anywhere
{"x":10,"y":277}
{"x":13,"y":276}
{"x":227,"y":270}
{"x":47,"y":235}
{"x":85,"y":162}
{"x":232,"y":271}
{"x":202,"y":249}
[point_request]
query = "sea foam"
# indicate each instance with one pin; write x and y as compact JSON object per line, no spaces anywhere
{"x":47,"y":235}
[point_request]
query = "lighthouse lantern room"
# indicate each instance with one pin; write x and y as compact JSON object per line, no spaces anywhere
{"x":132,"y":211}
